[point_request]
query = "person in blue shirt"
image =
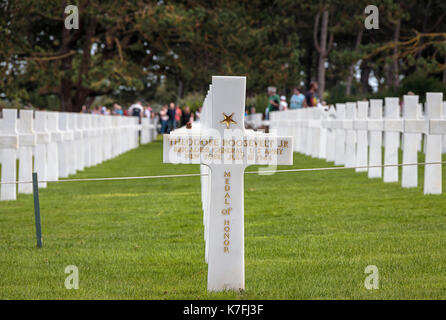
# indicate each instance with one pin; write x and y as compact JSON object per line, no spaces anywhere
{"x":117,"y":110}
{"x":297,"y":99}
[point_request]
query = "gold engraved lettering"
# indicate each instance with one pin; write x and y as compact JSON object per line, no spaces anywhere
{"x":227,"y":198}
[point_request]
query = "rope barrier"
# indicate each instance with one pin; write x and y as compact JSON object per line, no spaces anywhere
{"x":247,"y":172}
{"x":112,"y":178}
{"x":343,"y":168}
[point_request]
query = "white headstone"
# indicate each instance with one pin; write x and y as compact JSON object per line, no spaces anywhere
{"x":310,"y":131}
{"x":9,"y":143}
{"x":53,"y":152}
{"x":420,"y":115}
{"x":315,"y":125}
{"x":87,"y":137}
{"x":71,"y":143}
{"x":303,"y":124}
{"x":116,"y":146}
{"x":432,"y":172}
{"x":412,"y":129}
{"x":79,"y":141}
{"x":294,"y":122}
{"x":100,"y":138}
{"x":63,"y":146}
{"x":43,"y":138}
{"x":108,"y":137}
{"x":227,"y":149}
{"x":392,"y":127}
{"x":361,"y":136}
{"x":350,"y":138}
{"x":152,"y":127}
{"x":27,"y":141}
{"x":323,"y":114}
{"x":145,"y":132}
{"x":331,"y":134}
{"x":340,"y":134}
{"x":94,"y":140}
{"x":375,"y":127}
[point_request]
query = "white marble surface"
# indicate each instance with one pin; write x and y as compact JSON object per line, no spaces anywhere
{"x":362,"y":147}
{"x":409,"y":178}
{"x":432,"y":173}
{"x":27,"y":141}
{"x":376,"y":138}
{"x":9,"y":143}
{"x":43,"y":138}
{"x":391,"y":139}
{"x":223,"y":191}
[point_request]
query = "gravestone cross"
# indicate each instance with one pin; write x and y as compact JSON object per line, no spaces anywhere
{"x":223,"y":144}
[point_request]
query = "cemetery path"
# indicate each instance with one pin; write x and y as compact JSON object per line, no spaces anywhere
{"x":308,"y":235}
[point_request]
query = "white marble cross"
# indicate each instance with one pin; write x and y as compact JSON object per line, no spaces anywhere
{"x":360,"y":125}
{"x":9,"y":143}
{"x":412,"y":127}
{"x":393,"y":126}
{"x":340,"y":134}
{"x":223,"y":144}
{"x":87,"y":139}
{"x":432,"y":172}
{"x":350,"y":137}
{"x":64,"y":146}
{"x":331,"y":134}
{"x":43,"y":138}
{"x":78,"y":141}
{"x":27,"y":141}
{"x":53,"y":146}
{"x":375,"y":127}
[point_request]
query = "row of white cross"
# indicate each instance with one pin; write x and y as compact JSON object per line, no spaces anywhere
{"x":57,"y":144}
{"x":352,"y":135}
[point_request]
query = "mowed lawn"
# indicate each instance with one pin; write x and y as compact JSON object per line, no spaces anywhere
{"x":308,"y":235}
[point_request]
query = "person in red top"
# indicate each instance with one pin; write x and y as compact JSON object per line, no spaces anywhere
{"x":178,"y":114}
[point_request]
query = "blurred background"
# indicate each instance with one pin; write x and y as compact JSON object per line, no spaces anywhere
{"x":163,"y":51}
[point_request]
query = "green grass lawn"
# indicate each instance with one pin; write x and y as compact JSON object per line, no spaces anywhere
{"x":308,"y":235}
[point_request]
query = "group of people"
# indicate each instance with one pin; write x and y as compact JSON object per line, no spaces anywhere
{"x":172,"y":117}
{"x":136,"y":110}
{"x":298,"y":99}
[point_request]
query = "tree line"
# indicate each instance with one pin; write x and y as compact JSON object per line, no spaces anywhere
{"x":163,"y":50}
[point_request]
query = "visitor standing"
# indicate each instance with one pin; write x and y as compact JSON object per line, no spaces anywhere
{"x":274,"y":100}
{"x":283,"y":104}
{"x":185,"y":116}
{"x":310,"y":97}
{"x":297,"y":99}
{"x":136,"y":109}
{"x":117,"y":110}
{"x":147,"y":111}
{"x":164,"y":117}
{"x":171,"y":113}
{"x":198,"y":114}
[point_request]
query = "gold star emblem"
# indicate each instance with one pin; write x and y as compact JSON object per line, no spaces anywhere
{"x":228,"y":120}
